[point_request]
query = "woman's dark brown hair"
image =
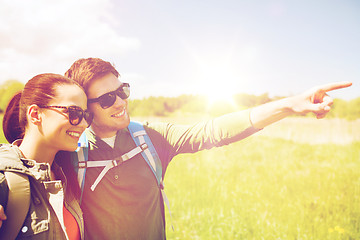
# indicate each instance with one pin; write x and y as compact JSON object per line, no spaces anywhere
{"x":39,"y":90}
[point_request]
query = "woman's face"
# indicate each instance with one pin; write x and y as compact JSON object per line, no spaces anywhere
{"x":56,"y":129}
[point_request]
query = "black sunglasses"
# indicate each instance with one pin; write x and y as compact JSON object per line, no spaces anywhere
{"x":75,"y":113}
{"x":108,"y":99}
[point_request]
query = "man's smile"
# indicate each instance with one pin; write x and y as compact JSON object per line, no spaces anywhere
{"x":120,"y":114}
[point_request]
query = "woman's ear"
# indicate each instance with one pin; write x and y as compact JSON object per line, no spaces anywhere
{"x":34,"y":114}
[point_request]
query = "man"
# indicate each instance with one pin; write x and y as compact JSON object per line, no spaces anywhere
{"x":127,"y":203}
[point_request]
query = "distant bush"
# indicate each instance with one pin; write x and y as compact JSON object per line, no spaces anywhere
{"x":349,"y":110}
{"x":249,"y":100}
{"x":7,"y":91}
{"x":195,"y":104}
{"x":2,"y":137}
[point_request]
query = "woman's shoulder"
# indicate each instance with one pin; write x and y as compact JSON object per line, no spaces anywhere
{"x":10,"y":158}
{"x":4,"y":190}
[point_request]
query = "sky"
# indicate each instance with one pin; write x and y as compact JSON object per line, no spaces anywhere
{"x":169,"y":48}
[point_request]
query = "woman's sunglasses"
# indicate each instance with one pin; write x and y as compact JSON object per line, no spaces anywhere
{"x":76,"y":114}
{"x":108,"y":99}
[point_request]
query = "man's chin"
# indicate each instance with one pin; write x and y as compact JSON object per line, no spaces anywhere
{"x":124,"y":123}
{"x":104,"y":130}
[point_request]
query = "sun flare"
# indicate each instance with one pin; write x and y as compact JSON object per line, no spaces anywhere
{"x":219,"y":80}
{"x":218,"y":95}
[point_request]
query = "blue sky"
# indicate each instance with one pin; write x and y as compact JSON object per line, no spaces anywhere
{"x":168,"y":48}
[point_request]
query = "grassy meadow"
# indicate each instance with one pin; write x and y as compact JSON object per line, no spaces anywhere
{"x":271,"y":187}
{"x":296,"y":179}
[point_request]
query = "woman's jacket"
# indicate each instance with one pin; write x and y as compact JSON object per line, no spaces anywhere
{"x":41,"y":221}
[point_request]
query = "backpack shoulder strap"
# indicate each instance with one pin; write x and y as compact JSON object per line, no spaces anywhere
{"x":150,"y":155}
{"x":80,"y":155}
{"x":80,"y":162}
{"x":17,"y":205}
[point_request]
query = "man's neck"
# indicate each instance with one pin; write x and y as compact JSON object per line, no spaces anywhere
{"x":110,"y":141}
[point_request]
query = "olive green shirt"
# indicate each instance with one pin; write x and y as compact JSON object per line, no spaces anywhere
{"x":127,"y":203}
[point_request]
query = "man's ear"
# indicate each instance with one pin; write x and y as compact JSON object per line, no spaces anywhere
{"x":34,"y":114}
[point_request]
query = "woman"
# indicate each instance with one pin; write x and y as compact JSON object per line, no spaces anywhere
{"x":46,"y":117}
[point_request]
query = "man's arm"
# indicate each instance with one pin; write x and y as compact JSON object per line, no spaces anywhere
{"x":314,"y":100}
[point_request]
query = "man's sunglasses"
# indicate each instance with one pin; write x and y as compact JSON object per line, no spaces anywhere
{"x":75,"y":113}
{"x":108,"y":99}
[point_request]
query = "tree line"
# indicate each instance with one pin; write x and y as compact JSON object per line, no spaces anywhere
{"x":200,"y":105}
{"x":7,"y":91}
{"x":196,"y":104}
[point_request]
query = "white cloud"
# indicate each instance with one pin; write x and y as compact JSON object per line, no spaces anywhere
{"x":47,"y":36}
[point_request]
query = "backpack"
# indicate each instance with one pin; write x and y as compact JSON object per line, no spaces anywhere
{"x":17,"y":205}
{"x":143,"y":146}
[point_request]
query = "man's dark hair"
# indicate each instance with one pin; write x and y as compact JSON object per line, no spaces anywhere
{"x":86,"y":70}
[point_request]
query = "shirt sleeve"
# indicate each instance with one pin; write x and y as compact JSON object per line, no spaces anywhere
{"x":215,"y":132}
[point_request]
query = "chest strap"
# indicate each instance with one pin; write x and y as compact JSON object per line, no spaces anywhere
{"x":109,"y":164}
{"x":144,"y":146}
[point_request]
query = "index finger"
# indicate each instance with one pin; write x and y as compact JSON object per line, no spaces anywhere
{"x":333,"y":86}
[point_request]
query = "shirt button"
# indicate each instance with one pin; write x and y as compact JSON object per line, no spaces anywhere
{"x":43,"y":167}
{"x":37,"y":201}
{"x":116,"y":177}
{"x":29,"y":163}
{"x":24,"y":229}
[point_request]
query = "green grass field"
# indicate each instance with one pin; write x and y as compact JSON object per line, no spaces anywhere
{"x":270,"y":188}
{"x":266,"y":188}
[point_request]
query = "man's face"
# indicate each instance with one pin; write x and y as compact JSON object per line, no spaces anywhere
{"x":109,"y":120}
